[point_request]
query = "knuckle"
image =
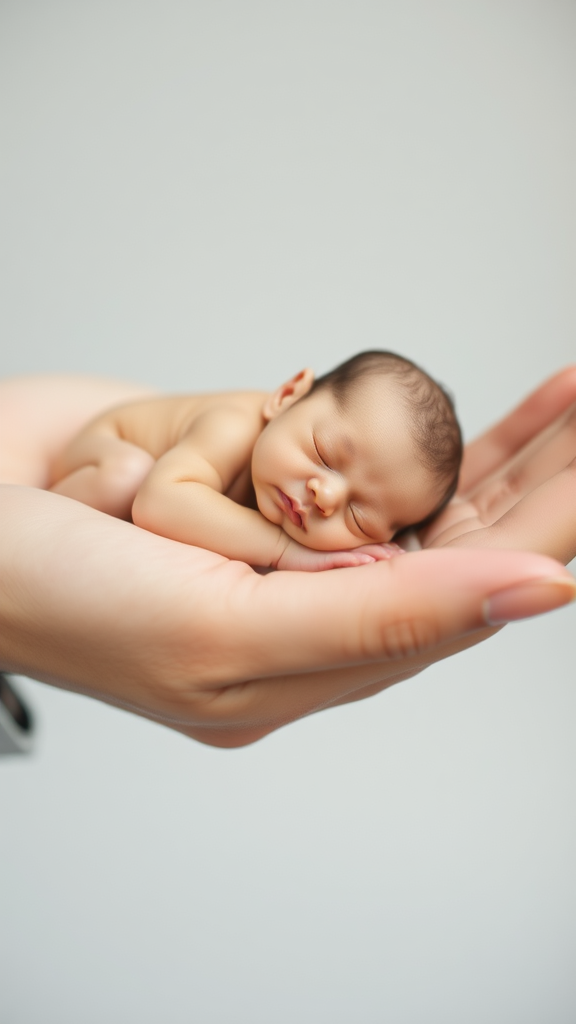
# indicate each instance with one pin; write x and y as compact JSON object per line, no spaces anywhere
{"x":404,"y":639}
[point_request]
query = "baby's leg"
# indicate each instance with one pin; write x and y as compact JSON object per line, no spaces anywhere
{"x":102,"y":471}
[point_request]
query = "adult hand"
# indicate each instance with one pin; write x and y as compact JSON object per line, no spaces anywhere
{"x":211,"y":648}
{"x":517,"y":481}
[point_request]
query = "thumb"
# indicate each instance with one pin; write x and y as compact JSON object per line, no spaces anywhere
{"x":410,"y":606}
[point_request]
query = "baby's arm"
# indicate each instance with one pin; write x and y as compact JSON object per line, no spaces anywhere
{"x":183,"y":497}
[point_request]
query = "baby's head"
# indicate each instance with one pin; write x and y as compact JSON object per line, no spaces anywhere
{"x":356,"y":456}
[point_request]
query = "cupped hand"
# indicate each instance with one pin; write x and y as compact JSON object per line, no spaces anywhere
{"x":211,"y":648}
{"x":518,"y":480}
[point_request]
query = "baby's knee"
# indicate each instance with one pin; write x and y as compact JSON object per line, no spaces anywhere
{"x":120,"y":478}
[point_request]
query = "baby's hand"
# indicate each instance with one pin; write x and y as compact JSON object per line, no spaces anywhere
{"x":297,"y":557}
{"x":380,"y":552}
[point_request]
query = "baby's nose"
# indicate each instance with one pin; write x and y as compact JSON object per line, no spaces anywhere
{"x":326,"y":493}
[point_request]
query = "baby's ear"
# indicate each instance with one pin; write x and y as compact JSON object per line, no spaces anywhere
{"x":288,"y":393}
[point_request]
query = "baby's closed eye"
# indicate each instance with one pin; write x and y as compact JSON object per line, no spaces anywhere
{"x":356,"y":516}
{"x":319,"y":453}
{"x":373,"y":531}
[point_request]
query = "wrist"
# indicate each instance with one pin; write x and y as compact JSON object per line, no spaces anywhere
{"x":283,"y":544}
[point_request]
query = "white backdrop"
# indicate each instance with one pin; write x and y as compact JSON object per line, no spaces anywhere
{"x":214,"y":195}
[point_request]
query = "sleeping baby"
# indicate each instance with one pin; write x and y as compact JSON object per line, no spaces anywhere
{"x":320,"y":474}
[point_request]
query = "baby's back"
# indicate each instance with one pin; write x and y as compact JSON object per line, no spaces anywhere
{"x":158,"y":424}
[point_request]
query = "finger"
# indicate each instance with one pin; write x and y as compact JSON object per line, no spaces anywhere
{"x":376,"y":681}
{"x":415,"y":667}
{"x":493,"y":448}
{"x":246,"y":720}
{"x":546,"y":455}
{"x":544,"y":521}
{"x":369,"y":625}
{"x":384,"y":611}
{"x":381,"y":552}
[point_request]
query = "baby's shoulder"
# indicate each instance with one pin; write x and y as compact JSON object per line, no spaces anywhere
{"x":236,"y":411}
{"x":243,"y":404}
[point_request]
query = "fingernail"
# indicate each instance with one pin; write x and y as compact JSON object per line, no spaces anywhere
{"x":526,"y":599}
{"x":394,"y":549}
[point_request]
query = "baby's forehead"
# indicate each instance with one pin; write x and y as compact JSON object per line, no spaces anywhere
{"x":376,"y":403}
{"x":386,"y":427}
{"x":371,"y":425}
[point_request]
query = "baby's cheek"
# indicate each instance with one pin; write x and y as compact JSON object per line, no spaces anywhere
{"x":326,"y":539}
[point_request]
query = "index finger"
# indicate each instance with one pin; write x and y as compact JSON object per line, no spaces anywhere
{"x":493,"y":448}
{"x":325,"y":639}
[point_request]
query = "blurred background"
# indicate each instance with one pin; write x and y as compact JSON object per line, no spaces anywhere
{"x":202,"y":196}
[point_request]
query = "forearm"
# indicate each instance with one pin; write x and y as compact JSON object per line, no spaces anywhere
{"x":195,"y":513}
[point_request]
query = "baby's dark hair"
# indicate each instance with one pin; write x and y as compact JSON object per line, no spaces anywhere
{"x":435,"y":429}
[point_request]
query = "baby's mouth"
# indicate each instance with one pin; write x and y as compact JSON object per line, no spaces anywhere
{"x":291,"y":511}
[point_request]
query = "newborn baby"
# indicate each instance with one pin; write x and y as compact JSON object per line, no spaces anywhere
{"x":318,"y":475}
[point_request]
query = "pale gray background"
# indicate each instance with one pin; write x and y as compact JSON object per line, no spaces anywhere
{"x":202,"y":195}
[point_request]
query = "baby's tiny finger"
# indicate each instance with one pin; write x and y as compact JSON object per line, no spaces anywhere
{"x":382,"y":552}
{"x":363,"y":558}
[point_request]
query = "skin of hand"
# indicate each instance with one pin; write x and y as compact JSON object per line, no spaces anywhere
{"x":520,"y":469}
{"x":224,"y":655}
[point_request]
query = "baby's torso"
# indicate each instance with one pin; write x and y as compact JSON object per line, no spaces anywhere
{"x":158,"y":424}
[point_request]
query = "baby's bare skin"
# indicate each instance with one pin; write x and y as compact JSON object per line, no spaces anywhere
{"x":277,"y":480}
{"x":159,"y":423}
{"x":154,"y":427}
